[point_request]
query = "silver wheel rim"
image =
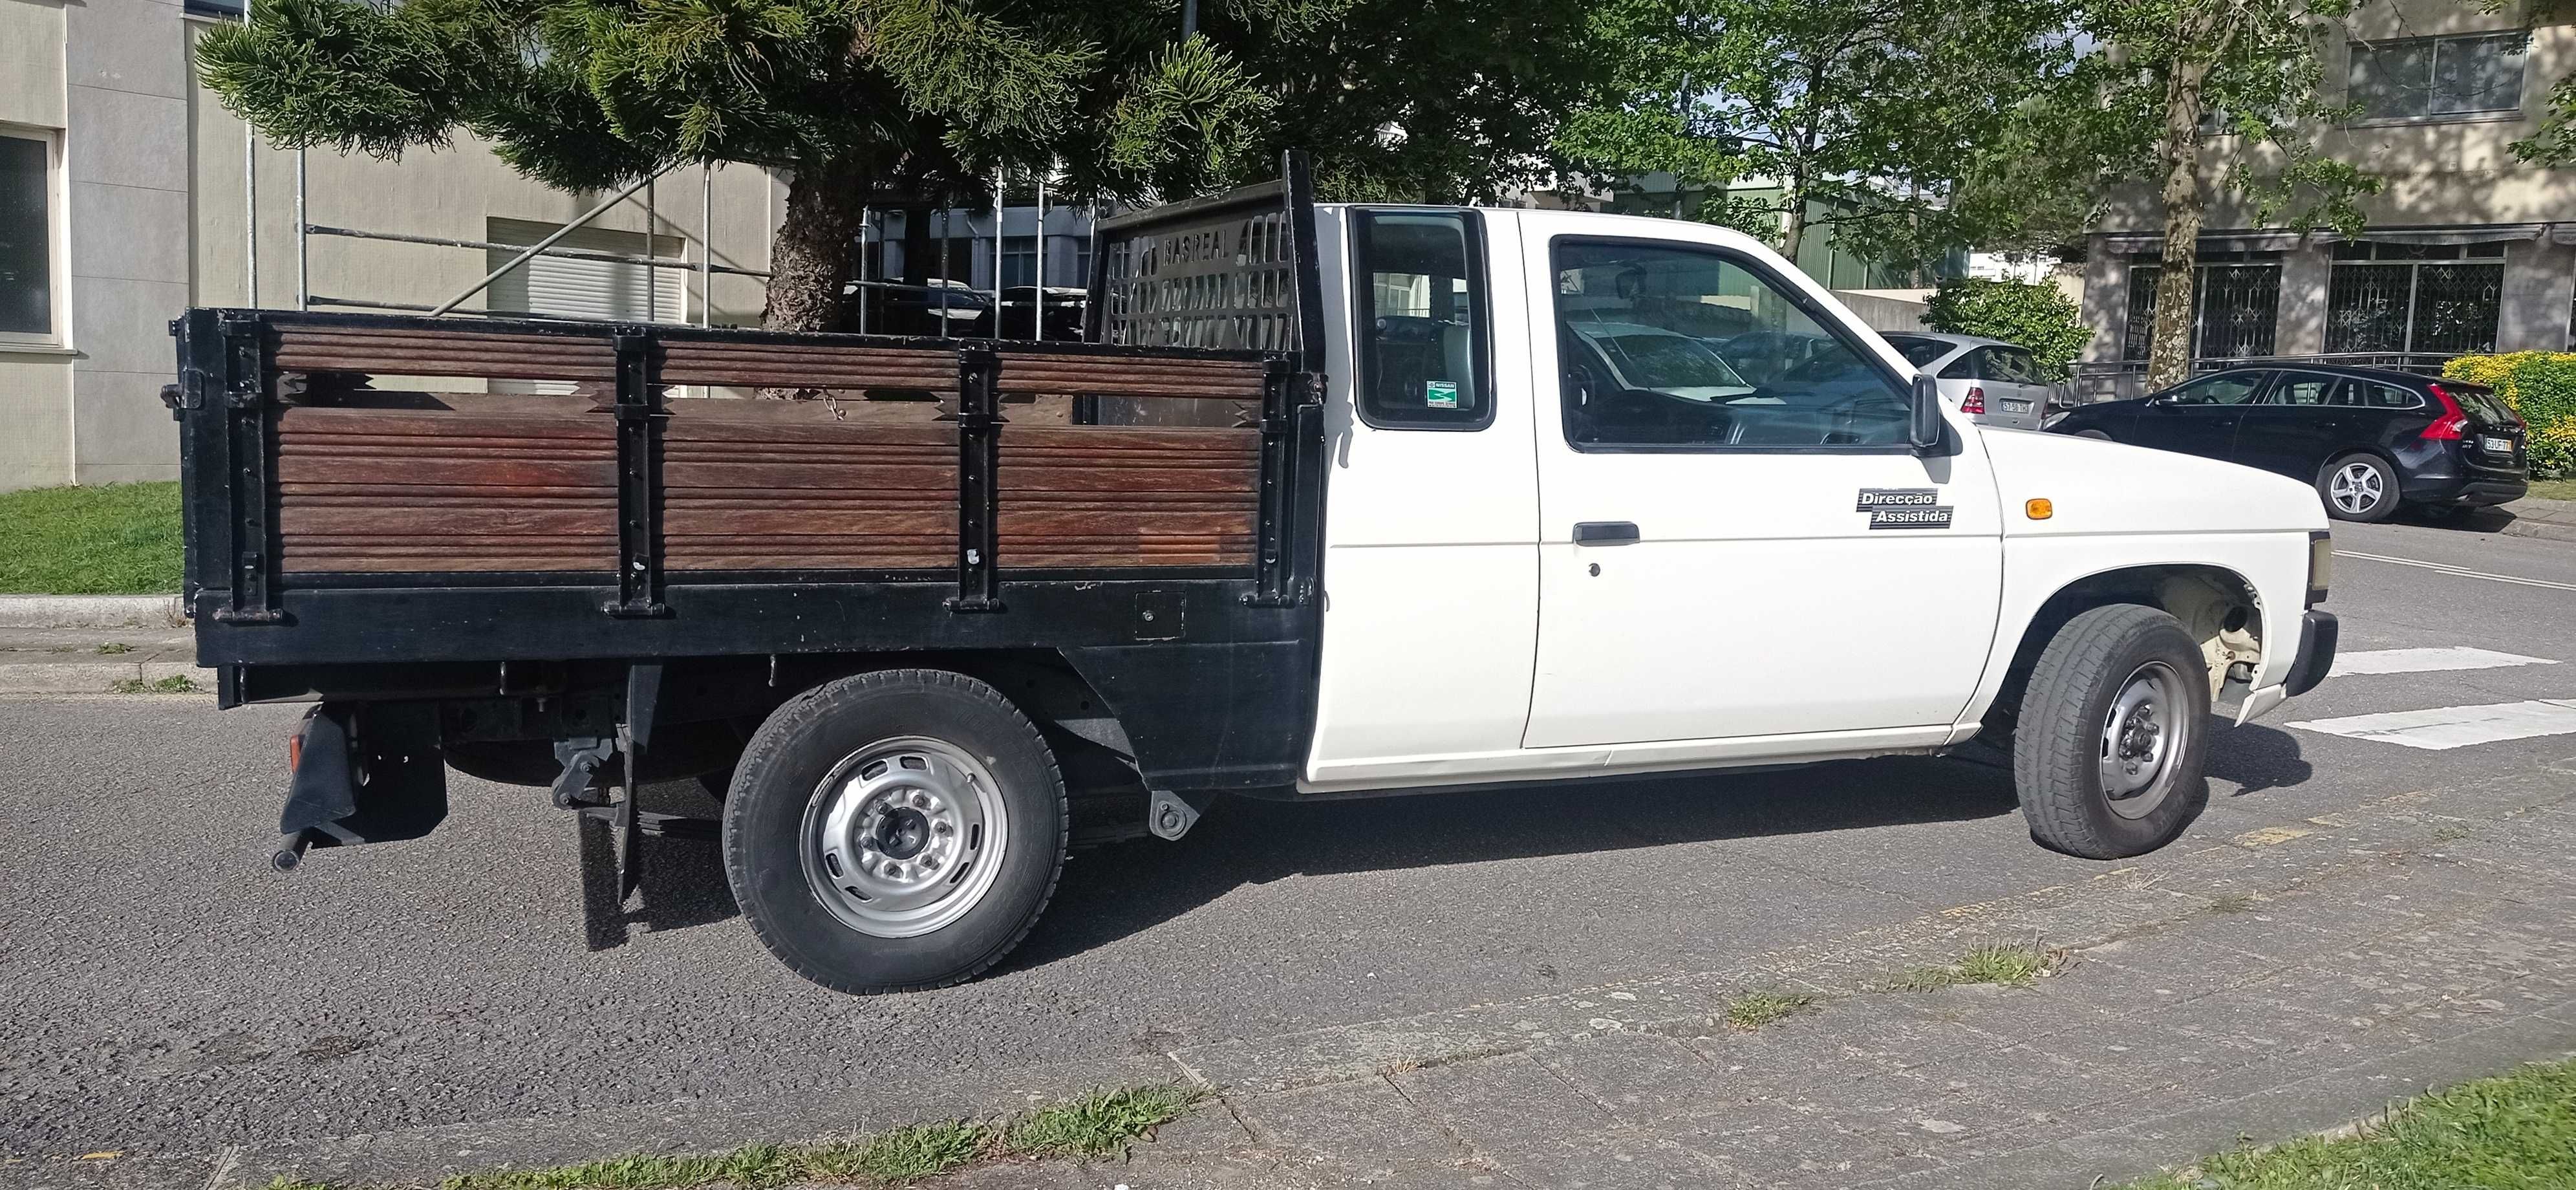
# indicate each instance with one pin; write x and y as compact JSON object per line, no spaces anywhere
{"x":2356,"y":487}
{"x":904,"y":837}
{"x":2142,"y":736}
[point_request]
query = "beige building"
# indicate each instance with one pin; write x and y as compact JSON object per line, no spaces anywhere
{"x":123,"y":201}
{"x":2467,"y":249}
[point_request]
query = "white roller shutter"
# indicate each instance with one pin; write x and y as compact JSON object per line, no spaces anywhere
{"x":608,"y":291}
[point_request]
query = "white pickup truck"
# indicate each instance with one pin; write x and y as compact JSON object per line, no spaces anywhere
{"x":1514,"y":496}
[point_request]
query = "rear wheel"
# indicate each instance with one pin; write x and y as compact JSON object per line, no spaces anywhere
{"x":2358,"y":488}
{"x":895,"y":830}
{"x":2108,"y":751}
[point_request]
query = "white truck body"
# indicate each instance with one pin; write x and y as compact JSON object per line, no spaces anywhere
{"x":1758,"y":618}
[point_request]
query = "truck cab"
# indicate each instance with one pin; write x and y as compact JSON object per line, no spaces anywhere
{"x":1578,"y":538}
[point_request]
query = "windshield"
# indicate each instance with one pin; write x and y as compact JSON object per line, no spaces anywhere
{"x":1920,"y":351}
{"x":1668,"y":361}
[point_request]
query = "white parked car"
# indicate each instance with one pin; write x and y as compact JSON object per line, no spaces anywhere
{"x":1995,"y":382}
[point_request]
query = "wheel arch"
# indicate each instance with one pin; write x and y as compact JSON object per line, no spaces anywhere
{"x":2217,"y":605}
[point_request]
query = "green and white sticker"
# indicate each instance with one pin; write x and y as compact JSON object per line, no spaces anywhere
{"x":1440,"y":394}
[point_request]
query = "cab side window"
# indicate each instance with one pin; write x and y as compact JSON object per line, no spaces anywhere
{"x":1423,"y":339}
{"x":1673,"y":347}
{"x":2307,"y":390}
{"x":2217,"y":390}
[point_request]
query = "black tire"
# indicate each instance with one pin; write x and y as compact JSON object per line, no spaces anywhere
{"x":2058,"y":746}
{"x":2384,"y":475}
{"x":804,"y":742}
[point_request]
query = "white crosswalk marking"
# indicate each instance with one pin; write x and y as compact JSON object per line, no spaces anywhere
{"x":2457,"y":571}
{"x":2456,"y":727}
{"x":2416,"y":661}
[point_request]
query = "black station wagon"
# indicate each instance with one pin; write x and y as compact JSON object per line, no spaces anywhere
{"x":2370,"y":439}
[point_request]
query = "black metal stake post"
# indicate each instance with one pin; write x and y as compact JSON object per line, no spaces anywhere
{"x":247,"y":425}
{"x":634,"y":738}
{"x":979,"y":434}
{"x":640,"y":418}
{"x":1279,"y":390}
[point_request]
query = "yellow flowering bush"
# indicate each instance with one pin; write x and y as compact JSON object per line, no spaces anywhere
{"x":2541,"y":387}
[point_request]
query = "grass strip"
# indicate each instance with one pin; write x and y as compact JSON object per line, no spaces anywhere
{"x":2515,"y":1131}
{"x":2011,"y":965}
{"x":1099,"y":1124}
{"x":109,"y":539}
{"x":1752,"y":1010}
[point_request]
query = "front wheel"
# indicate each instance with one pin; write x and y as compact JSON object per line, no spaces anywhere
{"x":2358,"y":488}
{"x":2108,"y":752}
{"x":894,"y":831}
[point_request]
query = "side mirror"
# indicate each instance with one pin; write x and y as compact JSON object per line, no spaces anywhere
{"x":1924,"y":427}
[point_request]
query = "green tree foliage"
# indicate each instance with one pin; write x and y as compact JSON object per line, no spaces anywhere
{"x":2037,"y":317}
{"x":892,"y":101}
{"x":2178,"y":73}
{"x":1866,"y":113}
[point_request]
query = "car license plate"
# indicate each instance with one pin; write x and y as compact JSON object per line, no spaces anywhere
{"x":2016,"y":406}
{"x":2494,"y":445}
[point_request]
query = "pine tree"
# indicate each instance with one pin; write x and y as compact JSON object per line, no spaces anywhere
{"x":893,"y":101}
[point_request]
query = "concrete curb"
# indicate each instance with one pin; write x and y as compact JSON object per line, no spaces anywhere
{"x":92,"y":611}
{"x":2540,"y":530}
{"x":98,"y":677}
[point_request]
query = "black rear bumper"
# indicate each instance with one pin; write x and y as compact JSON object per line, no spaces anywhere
{"x":2317,"y":636}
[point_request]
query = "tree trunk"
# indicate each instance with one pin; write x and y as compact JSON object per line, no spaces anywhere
{"x":809,"y":258}
{"x":2169,"y":355}
{"x":1793,"y":222}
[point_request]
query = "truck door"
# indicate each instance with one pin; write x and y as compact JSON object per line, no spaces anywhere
{"x":1727,"y":547}
{"x":1430,"y":527}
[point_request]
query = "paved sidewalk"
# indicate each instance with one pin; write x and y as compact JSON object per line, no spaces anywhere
{"x":2290,"y":979}
{"x":2550,"y":520}
{"x":97,"y":660}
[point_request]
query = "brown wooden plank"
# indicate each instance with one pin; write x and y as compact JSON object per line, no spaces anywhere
{"x":403,"y":521}
{"x":449,"y":471}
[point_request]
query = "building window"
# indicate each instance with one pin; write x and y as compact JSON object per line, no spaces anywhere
{"x":2237,"y":300}
{"x":1019,"y":260}
{"x":2432,"y":78}
{"x":2439,"y":299}
{"x":30,"y":272}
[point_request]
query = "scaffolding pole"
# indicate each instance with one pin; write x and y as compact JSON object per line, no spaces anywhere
{"x":1001,"y":181}
{"x":303,"y":250}
{"x":1037,"y":325}
{"x":706,"y":244}
{"x":653,"y":250}
{"x":867,"y":215}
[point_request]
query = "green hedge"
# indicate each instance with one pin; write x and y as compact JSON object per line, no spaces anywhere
{"x":2036,"y":317}
{"x":2539,"y":385}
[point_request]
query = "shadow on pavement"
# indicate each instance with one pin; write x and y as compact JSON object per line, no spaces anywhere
{"x":1111,"y":892}
{"x":2258,"y":758}
{"x":1119,"y":890}
{"x":684,"y":881}
{"x":2491,"y":519}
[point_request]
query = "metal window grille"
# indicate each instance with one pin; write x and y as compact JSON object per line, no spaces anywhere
{"x":2440,"y":307}
{"x":2236,"y":310}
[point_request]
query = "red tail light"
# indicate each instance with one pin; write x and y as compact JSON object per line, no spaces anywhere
{"x":295,"y":752}
{"x":2449,"y":426}
{"x":1974,"y":402}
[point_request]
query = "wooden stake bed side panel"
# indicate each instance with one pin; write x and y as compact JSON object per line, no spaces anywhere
{"x":476,"y":483}
{"x":376,"y":490}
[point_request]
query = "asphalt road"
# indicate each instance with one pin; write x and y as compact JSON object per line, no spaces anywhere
{"x":163,"y":991}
